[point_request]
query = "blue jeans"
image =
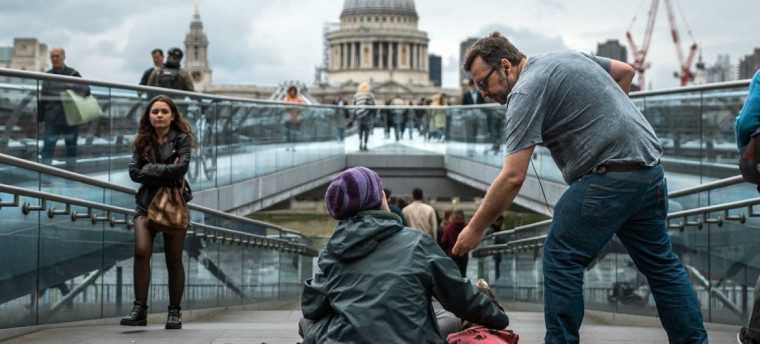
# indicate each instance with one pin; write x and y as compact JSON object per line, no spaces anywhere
{"x":633,"y":206}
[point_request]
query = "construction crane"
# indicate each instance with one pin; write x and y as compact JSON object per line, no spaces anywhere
{"x":640,"y":63}
{"x":684,"y":74}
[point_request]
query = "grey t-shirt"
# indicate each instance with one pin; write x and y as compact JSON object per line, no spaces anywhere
{"x":569,"y":103}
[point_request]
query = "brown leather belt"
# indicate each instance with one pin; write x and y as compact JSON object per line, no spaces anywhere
{"x":602,"y":169}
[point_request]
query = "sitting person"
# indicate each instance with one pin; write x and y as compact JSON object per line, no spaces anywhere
{"x":376,"y":278}
{"x":450,"y":234}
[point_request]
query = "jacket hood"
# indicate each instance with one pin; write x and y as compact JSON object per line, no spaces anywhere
{"x":360,"y":235}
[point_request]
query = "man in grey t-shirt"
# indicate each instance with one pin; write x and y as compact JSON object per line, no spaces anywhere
{"x":576,"y":105}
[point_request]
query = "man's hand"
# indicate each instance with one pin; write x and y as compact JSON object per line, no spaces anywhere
{"x":467,"y":240}
{"x":500,"y":195}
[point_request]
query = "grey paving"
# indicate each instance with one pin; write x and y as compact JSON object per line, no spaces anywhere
{"x":275,"y":327}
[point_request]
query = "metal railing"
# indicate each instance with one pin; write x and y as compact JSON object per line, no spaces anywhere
{"x":13,"y":73}
{"x":685,"y":216}
{"x":209,"y":231}
{"x":694,"y":88}
{"x":58,"y":172}
{"x":678,"y":193}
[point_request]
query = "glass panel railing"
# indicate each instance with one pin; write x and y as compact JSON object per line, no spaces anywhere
{"x":235,"y":139}
{"x":72,"y":260}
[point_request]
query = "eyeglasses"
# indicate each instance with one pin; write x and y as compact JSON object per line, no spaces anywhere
{"x":483,"y":83}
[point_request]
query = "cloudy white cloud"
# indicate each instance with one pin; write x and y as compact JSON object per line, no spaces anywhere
{"x":265,"y":42}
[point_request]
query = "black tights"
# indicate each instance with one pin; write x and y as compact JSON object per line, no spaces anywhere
{"x":173,"y":244}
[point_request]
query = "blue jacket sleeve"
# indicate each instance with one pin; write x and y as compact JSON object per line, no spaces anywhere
{"x":749,"y":116}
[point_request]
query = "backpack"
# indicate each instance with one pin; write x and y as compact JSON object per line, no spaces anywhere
{"x":749,"y":160}
{"x":483,"y":335}
{"x":168,"y":78}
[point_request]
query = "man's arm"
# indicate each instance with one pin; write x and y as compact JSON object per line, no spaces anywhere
{"x":623,"y":74}
{"x":620,"y":71}
{"x":500,"y":195}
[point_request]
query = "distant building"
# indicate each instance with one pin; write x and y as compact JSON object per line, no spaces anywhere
{"x":463,"y":46}
{"x":612,"y":49}
{"x":378,"y":42}
{"x":749,"y":64}
{"x":721,"y":71}
{"x":435,"y":64}
{"x":196,"y":53}
{"x":25,"y":54}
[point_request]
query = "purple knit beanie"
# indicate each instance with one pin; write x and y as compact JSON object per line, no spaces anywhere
{"x":352,"y":191}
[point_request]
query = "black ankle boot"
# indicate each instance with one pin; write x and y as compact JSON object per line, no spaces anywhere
{"x":137,"y":317}
{"x":174,"y":319}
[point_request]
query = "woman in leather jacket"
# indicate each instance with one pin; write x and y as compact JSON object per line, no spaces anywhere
{"x":161,"y":158}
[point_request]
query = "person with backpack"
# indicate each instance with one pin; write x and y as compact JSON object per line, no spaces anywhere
{"x":364,"y":116}
{"x":171,"y":75}
{"x":375,"y":278}
{"x":748,"y":140}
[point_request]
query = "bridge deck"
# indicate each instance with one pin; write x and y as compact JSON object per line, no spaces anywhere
{"x":274,"y":327}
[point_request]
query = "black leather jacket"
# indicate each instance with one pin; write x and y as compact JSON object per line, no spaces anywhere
{"x":173,"y":160}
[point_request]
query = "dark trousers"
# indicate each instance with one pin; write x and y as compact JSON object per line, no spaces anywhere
{"x":752,"y":331}
{"x":292,"y":131}
{"x":633,"y":206}
{"x":497,"y":264}
{"x":363,"y":135}
{"x":50,"y":138}
{"x":174,"y":243}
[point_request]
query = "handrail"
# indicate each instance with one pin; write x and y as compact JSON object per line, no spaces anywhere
{"x":704,"y":211}
{"x":678,"y":193}
{"x":110,"y":210}
{"x":521,"y":228}
{"x":707,"y":186}
{"x":213,"y":97}
{"x":149,"y":89}
{"x":14,"y":73}
{"x":694,"y":88}
{"x":715,"y":208}
{"x":58,"y":172}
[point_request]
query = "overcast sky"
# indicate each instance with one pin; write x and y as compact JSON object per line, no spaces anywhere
{"x":266,"y":41}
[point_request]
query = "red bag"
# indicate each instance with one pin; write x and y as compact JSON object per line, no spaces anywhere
{"x":483,"y":335}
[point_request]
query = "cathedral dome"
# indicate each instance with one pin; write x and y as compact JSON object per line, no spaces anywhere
{"x":382,"y":7}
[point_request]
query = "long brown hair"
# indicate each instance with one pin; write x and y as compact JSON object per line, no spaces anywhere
{"x":146,"y":139}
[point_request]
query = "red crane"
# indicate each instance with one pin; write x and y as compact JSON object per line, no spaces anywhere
{"x":684,"y":74}
{"x":640,"y":63}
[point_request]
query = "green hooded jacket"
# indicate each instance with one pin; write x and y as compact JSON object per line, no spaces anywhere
{"x":375,"y":283}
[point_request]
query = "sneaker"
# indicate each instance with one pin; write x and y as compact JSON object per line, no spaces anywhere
{"x":137,"y":317}
{"x":174,"y":319}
